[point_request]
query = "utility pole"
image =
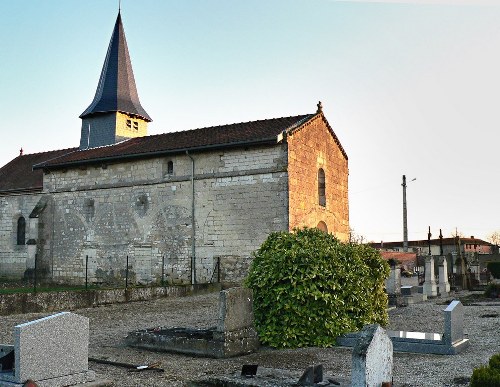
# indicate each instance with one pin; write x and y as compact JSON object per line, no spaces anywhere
{"x":405,"y":220}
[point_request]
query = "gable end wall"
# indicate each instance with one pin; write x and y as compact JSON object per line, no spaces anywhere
{"x":310,"y":148}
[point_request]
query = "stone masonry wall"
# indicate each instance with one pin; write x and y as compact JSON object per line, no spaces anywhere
{"x":309,"y":149}
{"x":13,"y":257}
{"x":137,"y":209}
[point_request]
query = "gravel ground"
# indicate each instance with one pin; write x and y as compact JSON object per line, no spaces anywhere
{"x":109,"y":324}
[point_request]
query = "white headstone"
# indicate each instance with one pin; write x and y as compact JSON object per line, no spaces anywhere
{"x":393,"y":283}
{"x":444,"y":285}
{"x":430,"y":286}
{"x":372,"y":358}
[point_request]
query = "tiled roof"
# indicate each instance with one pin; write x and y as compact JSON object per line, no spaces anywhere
{"x":116,"y":90}
{"x":241,"y":134}
{"x":434,"y":242}
{"x":400,"y":256}
{"x":18,"y":175}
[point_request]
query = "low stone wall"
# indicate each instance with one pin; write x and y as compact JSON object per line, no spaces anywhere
{"x":70,"y":300}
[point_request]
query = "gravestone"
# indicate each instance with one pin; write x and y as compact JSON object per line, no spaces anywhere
{"x":451,"y":342}
{"x":53,"y":351}
{"x":411,"y":295}
{"x":393,"y":283}
{"x":393,"y":286}
{"x":234,"y":334}
{"x":235,"y":330}
{"x":408,"y":290}
{"x":372,"y":358}
{"x":454,"y":323}
{"x":430,"y":286}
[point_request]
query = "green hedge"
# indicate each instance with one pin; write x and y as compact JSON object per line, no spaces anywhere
{"x":494,"y":362}
{"x":494,"y":268}
{"x":485,"y":376}
{"x":492,"y":290}
{"x":309,"y":288}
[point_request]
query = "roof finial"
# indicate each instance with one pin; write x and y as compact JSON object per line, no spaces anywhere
{"x":21,"y":152}
{"x":320,"y":108}
{"x":119,"y":5}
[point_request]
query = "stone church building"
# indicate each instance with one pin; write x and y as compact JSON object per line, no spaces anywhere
{"x":173,"y":204}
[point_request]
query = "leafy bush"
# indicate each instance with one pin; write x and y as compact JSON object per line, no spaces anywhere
{"x":485,"y":376}
{"x":492,"y":290}
{"x":494,"y":268}
{"x":495,"y":362}
{"x":309,"y":288}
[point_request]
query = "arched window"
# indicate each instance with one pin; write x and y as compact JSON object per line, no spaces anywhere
{"x":21,"y":231}
{"x":321,"y":188}
{"x":170,"y":167}
{"x":322,"y":226}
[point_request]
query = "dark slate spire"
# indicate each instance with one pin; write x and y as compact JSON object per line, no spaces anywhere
{"x":116,"y":90}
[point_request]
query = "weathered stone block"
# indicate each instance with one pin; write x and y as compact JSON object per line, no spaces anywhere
{"x":372,"y":358}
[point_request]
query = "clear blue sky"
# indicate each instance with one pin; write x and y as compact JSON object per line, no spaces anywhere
{"x":410,"y":87}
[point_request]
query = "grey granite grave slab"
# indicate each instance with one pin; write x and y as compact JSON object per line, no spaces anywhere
{"x":451,"y":342}
{"x":52,"y":350}
{"x":372,"y":358}
{"x":234,"y":335}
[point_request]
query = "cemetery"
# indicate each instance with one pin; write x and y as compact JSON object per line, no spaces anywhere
{"x":209,"y":340}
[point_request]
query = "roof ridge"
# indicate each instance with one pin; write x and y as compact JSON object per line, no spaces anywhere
{"x":51,"y":151}
{"x":235,"y":123}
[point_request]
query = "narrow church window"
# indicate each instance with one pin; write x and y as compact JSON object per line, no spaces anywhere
{"x":170,"y":167}
{"x":129,"y":123}
{"x":321,"y":188}
{"x":136,"y":125}
{"x":21,"y":231}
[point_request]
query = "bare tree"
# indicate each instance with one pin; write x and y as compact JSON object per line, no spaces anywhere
{"x":494,"y":238}
{"x":457,"y":233}
{"x":356,"y":238}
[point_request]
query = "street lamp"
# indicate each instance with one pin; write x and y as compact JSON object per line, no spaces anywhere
{"x":405,"y":219}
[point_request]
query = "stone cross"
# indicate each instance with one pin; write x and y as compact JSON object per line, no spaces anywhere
{"x":372,"y":358}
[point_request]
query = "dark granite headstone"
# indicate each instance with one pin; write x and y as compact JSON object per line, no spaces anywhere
{"x":408,"y":290}
{"x":249,"y":370}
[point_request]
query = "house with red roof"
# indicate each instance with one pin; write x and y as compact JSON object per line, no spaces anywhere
{"x":177,"y":206}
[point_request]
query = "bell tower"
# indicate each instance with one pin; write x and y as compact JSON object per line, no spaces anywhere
{"x":116,"y":113}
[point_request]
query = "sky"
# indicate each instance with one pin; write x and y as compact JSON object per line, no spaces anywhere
{"x":409,"y":87}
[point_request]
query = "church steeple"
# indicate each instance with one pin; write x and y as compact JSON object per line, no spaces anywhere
{"x":116,"y":112}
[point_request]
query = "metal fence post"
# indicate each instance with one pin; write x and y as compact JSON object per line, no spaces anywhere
{"x":218,"y":270}
{"x":126,"y":275}
{"x":35,"y":274}
{"x":86,"y":271}
{"x":163,"y":270}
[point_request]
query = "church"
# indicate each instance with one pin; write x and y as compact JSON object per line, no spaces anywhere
{"x":182,"y":206}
